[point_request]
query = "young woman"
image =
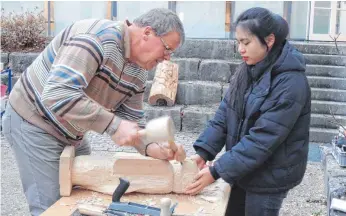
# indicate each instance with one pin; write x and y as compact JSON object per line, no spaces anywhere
{"x":263,"y":120}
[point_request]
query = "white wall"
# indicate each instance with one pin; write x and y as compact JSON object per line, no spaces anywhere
{"x":22,"y":6}
{"x":204,"y":19}
{"x":274,"y":6}
{"x":132,"y":9}
{"x":299,"y":19}
{"x":67,"y":12}
{"x":342,"y":18}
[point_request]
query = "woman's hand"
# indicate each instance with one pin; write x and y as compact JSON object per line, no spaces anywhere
{"x":202,"y":179}
{"x":199,"y":160}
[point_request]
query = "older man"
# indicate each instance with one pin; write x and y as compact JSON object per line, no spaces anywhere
{"x":90,"y":77}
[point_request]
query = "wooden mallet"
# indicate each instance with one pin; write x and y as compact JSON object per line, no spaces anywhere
{"x":161,"y":130}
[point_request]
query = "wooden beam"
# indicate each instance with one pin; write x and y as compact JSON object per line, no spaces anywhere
{"x":45,"y":14}
{"x":109,"y":10}
{"x":228,"y":16}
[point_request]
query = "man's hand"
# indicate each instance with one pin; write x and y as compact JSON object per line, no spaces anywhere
{"x":163,"y":152}
{"x":126,"y":134}
{"x":180,"y":154}
{"x":202,"y":179}
{"x":199,"y":160}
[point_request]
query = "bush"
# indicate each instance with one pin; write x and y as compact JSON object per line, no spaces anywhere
{"x":23,"y":32}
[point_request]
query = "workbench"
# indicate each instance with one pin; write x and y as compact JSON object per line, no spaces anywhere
{"x":211,"y":201}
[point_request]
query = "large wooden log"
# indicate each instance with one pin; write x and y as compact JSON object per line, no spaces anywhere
{"x":165,"y":84}
{"x":145,"y":174}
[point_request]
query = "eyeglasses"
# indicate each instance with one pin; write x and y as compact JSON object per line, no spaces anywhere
{"x":168,"y":50}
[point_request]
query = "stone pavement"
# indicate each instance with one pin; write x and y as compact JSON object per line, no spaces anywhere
{"x":307,"y":199}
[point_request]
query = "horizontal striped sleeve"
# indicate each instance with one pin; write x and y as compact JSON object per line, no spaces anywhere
{"x":63,"y":96}
{"x":132,"y":109}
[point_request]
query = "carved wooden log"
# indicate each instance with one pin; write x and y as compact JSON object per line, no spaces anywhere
{"x":145,"y":174}
{"x":165,"y":84}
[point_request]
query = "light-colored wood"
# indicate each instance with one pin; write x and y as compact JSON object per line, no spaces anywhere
{"x":212,"y":201}
{"x":109,"y":10}
{"x":65,"y":170}
{"x":145,"y":174}
{"x":228,"y":16}
{"x":165,"y":84}
{"x":158,"y":130}
{"x":92,"y":209}
{"x":165,"y":205}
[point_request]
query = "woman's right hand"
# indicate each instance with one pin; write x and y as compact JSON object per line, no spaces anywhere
{"x":199,"y":160}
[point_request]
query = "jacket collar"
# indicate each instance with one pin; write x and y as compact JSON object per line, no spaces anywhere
{"x":126,"y":39}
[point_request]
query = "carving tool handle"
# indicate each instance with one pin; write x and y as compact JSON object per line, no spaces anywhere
{"x":165,"y":207}
{"x":120,"y":190}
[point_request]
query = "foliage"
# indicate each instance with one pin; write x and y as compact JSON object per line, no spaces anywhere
{"x":23,"y":31}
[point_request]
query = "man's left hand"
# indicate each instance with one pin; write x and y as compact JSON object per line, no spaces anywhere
{"x":163,"y":152}
{"x":202,"y":179}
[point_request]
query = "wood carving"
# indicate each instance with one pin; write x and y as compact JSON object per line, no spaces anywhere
{"x":145,"y":174}
{"x":165,"y":84}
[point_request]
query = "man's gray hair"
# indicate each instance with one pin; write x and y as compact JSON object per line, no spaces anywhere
{"x":162,"y":21}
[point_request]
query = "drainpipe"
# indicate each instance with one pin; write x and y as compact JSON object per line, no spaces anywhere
{"x":172,"y":5}
{"x":49,"y":30}
{"x":114,"y":10}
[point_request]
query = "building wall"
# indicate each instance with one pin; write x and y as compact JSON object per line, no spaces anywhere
{"x":275,"y":6}
{"x":67,"y":12}
{"x":299,"y":19}
{"x":22,"y":6}
{"x":203,"y":19}
{"x":131,"y":9}
{"x":342,"y":18}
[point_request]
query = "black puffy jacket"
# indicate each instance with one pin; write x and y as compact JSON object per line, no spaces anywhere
{"x":267,"y":147}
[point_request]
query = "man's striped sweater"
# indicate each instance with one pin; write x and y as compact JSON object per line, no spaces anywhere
{"x":82,"y":81}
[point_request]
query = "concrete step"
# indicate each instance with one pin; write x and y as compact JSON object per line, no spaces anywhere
{"x":327,"y":48}
{"x":327,"y":82}
{"x":191,"y":118}
{"x":328,"y":94}
{"x":203,"y":69}
{"x":328,"y":107}
{"x":152,"y":112}
{"x":326,"y":70}
{"x":208,"y":92}
{"x":333,"y":95}
{"x":327,"y":121}
{"x":321,"y":59}
{"x":206,"y":49}
{"x":322,"y":135}
{"x":222,"y":70}
{"x":194,"y":118}
{"x":226,"y":49}
{"x":194,"y":92}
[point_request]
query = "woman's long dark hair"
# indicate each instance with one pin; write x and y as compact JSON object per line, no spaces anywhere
{"x":259,"y":22}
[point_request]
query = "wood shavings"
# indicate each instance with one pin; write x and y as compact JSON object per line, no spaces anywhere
{"x":93,"y":200}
